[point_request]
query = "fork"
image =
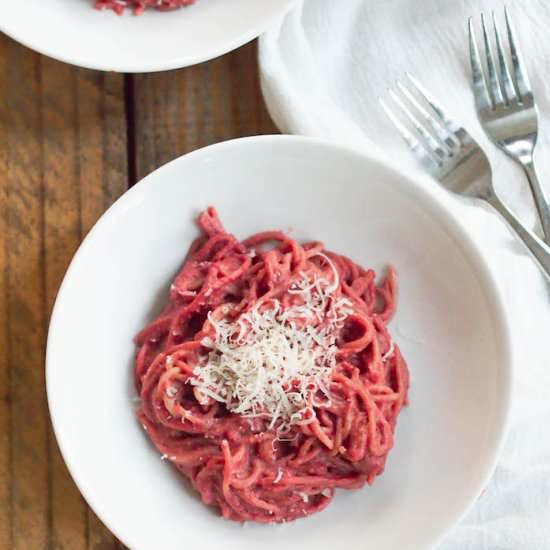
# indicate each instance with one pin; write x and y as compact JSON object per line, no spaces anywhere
{"x":452,"y":156}
{"x":506,"y":107}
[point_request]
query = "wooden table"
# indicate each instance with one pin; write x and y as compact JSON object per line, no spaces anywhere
{"x":71,"y":142}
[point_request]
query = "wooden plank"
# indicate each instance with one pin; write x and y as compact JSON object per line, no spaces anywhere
{"x":92,"y":156}
{"x":5,"y":419}
{"x":84,"y":146}
{"x":61,"y":238}
{"x":62,"y":162}
{"x":178,"y":111}
{"x":25,"y":303}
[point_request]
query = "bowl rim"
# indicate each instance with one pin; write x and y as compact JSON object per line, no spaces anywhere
{"x":178,"y":62}
{"x":431,"y":203}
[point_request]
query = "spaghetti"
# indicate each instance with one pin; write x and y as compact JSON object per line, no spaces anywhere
{"x":269,"y":379}
{"x":139,"y":6}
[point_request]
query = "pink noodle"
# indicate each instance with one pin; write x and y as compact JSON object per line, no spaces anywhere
{"x":138,"y":6}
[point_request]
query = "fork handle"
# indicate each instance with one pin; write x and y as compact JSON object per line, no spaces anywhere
{"x":541,"y":202}
{"x":537,"y":247}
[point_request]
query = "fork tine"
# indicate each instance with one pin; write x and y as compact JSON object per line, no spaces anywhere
{"x":436,"y":124}
{"x":523,"y":87}
{"x":419,"y":149}
{"x":494,"y":84}
{"x":423,"y":133}
{"x":405,"y":133}
{"x":449,"y":123}
{"x":506,"y":84}
{"x":483,"y":101}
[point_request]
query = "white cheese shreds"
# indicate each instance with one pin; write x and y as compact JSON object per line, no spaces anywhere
{"x":389,"y":352}
{"x":171,"y":391}
{"x":273,"y":361}
{"x":279,"y":476}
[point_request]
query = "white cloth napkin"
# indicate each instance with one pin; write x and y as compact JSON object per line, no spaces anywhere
{"x":323,"y":68}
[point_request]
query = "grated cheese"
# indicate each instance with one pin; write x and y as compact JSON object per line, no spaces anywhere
{"x":276,"y":363}
{"x":389,"y":352}
{"x":171,"y":391}
{"x":279,"y":476}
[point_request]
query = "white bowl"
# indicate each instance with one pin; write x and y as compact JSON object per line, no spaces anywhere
{"x":450,"y":325}
{"x":74,"y":32}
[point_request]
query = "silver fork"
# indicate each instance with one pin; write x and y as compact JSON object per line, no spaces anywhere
{"x":452,"y":156}
{"x":506,"y":107}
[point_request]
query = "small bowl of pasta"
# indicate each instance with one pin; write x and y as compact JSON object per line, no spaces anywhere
{"x":138,"y":35}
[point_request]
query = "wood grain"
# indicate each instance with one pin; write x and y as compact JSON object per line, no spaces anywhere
{"x":178,"y":111}
{"x":5,"y":417}
{"x":30,"y":490}
{"x":62,"y":162}
{"x":71,"y":141}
